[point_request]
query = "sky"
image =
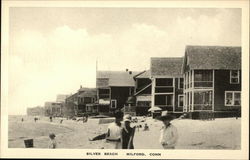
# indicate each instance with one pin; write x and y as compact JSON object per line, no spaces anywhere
{"x":55,"y":50}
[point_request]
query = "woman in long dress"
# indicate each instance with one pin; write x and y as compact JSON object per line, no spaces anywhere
{"x":128,"y":132}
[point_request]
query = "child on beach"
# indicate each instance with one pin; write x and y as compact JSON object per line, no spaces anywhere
{"x":169,"y":134}
{"x":146,"y":128}
{"x":127,"y":133}
{"x":52,"y":142}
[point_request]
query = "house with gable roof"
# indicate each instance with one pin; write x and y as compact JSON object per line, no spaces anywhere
{"x":167,"y":83}
{"x":113,"y":89}
{"x":212,"y":79}
{"x":80,"y":102}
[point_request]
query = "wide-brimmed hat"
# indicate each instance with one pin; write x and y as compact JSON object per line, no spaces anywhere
{"x":165,"y":116}
{"x":127,"y":118}
{"x":52,"y":135}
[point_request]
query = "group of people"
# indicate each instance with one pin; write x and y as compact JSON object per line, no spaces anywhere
{"x":121,"y":136}
{"x":118,"y":135}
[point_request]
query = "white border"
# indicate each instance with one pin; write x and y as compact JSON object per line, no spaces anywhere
{"x":166,"y":154}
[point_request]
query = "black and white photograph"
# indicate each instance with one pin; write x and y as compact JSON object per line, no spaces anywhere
{"x":103,"y":79}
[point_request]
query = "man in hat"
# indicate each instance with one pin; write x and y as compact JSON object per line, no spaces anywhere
{"x":169,"y":134}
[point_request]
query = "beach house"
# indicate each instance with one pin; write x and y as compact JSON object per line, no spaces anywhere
{"x":212,"y":79}
{"x":76,"y":104}
{"x":53,"y":109}
{"x":113,"y":89}
{"x":167,"y":83}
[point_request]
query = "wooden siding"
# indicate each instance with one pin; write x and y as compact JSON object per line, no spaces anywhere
{"x":222,"y":84}
{"x":177,"y":92}
{"x":120,"y":94}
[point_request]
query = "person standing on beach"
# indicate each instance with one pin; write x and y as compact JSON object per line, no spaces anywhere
{"x":113,"y":134}
{"x":127,"y":133}
{"x":52,"y":142}
{"x":168,"y":134}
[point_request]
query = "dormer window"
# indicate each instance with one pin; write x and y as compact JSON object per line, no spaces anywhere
{"x":234,"y":76}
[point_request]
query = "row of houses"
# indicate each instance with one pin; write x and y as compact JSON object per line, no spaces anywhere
{"x":206,"y":78}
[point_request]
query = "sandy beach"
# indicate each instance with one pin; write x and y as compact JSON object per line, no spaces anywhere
{"x":223,"y":133}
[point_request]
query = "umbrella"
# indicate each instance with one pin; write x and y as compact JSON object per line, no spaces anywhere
{"x":154,"y":109}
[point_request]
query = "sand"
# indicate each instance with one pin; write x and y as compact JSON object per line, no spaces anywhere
{"x":221,"y":133}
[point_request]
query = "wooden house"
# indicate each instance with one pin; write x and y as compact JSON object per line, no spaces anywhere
{"x":212,"y":79}
{"x":167,"y":84}
{"x":53,"y":109}
{"x":143,"y":89}
{"x":86,"y":100}
{"x":113,"y":89}
{"x":78,"y":103}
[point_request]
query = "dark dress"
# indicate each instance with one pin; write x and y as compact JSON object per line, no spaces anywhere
{"x":126,"y":136}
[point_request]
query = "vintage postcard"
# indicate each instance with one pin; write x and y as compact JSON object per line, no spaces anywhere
{"x":125,"y":79}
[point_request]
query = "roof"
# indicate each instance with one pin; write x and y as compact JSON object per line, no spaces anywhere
{"x":144,"y":74}
{"x":90,"y":92}
{"x":115,"y":78}
{"x":166,"y":67}
{"x":72,"y":96}
{"x":213,"y":57}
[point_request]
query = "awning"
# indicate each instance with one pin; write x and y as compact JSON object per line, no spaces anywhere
{"x":104,"y":102}
{"x":152,"y":109}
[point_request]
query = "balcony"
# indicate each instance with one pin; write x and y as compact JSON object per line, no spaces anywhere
{"x":103,"y":96}
{"x":164,"y":89}
{"x":201,"y":84}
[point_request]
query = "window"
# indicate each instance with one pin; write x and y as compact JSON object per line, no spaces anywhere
{"x":234,"y":76}
{"x":113,"y":103}
{"x":87,"y":100}
{"x":180,"y":84}
{"x":180,"y":101}
{"x":232,"y":98}
{"x":203,"y":78}
{"x":203,"y":75}
{"x":131,"y":91}
{"x":203,"y":100}
{"x":104,"y":93}
{"x":164,"y":100}
{"x":164,"y":82}
{"x":164,"y":85}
